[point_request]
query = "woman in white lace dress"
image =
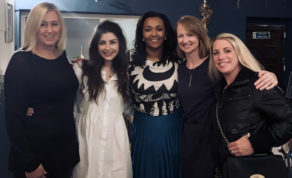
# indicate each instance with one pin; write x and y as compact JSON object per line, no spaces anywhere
{"x":102,"y":134}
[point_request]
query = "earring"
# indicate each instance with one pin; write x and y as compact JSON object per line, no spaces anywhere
{"x":165,"y":38}
{"x":143,"y":39}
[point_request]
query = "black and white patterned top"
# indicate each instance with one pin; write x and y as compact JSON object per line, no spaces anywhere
{"x":154,"y":88}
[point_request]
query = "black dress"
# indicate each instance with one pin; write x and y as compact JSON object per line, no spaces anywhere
{"x":196,"y":94}
{"x":48,"y":137}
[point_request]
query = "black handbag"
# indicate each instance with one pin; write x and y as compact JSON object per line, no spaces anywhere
{"x":254,"y":166}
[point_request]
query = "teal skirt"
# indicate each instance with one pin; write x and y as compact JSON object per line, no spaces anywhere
{"x":156,"y":142}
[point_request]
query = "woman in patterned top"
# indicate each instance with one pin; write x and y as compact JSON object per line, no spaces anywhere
{"x":157,"y":125}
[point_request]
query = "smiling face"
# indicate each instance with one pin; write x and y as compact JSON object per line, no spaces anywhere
{"x":226,"y":59}
{"x":187,"y":41}
{"x":153,"y":32}
{"x":50,"y":30}
{"x":108,"y":46}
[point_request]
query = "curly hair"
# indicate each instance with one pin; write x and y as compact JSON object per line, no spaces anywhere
{"x":169,"y":45}
{"x":92,"y":68}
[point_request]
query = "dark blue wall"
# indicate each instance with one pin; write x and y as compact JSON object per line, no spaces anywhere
{"x":226,"y":16}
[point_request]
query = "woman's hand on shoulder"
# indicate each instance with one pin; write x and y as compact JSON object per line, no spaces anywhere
{"x":39,"y":172}
{"x":77,"y":60}
{"x":241,"y":147}
{"x":267,"y":80}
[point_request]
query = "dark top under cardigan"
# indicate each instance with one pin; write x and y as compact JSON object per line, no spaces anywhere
{"x":48,"y":137}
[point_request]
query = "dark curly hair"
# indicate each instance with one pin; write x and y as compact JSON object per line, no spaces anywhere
{"x":169,"y":45}
{"x":92,"y":68}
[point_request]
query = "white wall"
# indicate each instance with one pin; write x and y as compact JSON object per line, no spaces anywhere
{"x":6,"y":49}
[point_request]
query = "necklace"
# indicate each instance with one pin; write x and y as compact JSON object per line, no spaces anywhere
{"x":109,"y":76}
{"x":108,"y":72}
{"x":192,"y":67}
{"x":190,"y":80}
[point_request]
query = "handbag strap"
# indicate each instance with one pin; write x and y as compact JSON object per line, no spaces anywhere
{"x":219,"y":124}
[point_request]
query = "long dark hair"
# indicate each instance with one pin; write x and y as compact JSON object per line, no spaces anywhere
{"x":92,"y":68}
{"x":169,"y":45}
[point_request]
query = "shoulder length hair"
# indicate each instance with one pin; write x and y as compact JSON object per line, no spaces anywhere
{"x":169,"y":45}
{"x":92,"y":68}
{"x":245,"y":57}
{"x":35,"y":18}
{"x":196,"y":27}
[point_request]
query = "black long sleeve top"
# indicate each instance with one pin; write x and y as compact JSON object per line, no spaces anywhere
{"x":49,"y":86}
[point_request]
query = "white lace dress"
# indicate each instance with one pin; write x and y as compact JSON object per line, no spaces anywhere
{"x":103,"y":139}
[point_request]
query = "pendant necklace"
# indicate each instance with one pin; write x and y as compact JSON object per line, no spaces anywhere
{"x":109,"y":76}
{"x":190,"y":80}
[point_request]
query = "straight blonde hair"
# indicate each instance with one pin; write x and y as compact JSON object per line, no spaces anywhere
{"x":245,"y":57}
{"x":35,"y":18}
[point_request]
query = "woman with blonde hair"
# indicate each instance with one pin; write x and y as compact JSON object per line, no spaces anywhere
{"x":196,"y":95}
{"x":35,"y":21}
{"x":244,"y":56}
{"x":39,"y":76}
{"x":249,"y":121}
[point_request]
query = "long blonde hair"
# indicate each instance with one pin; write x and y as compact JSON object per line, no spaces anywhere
{"x":245,"y":57}
{"x":35,"y":18}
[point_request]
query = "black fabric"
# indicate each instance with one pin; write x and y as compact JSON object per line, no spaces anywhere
{"x":243,"y":109}
{"x":196,"y":94}
{"x":49,"y":136}
{"x":270,"y":166}
{"x":260,"y":142}
{"x":55,"y":174}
